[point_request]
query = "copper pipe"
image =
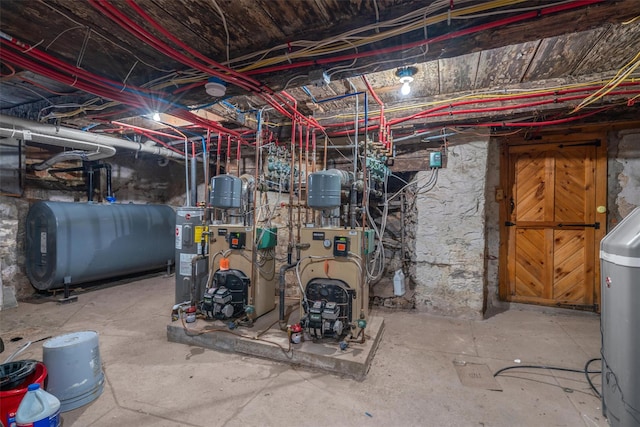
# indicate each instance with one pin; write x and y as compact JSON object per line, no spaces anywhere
{"x":299,"y":184}
{"x":306,"y":174}
{"x":326,"y":140}
{"x":238,"y":159}
{"x":291,"y":183}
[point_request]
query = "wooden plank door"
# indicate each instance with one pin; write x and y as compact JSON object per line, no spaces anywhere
{"x":551,"y":227}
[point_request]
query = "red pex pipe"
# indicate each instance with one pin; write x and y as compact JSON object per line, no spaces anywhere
{"x":502,"y":108}
{"x":134,"y":29}
{"x":539,"y":124}
{"x":455,"y":34}
{"x":232,"y":73}
{"x":146,"y":37}
{"x":490,"y":100}
{"x":55,"y":75}
{"x":29,"y":50}
{"x":95,"y":86}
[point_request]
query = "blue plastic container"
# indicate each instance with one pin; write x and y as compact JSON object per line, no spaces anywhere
{"x":38,"y":409}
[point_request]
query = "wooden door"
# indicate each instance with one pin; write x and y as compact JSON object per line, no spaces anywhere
{"x":551,"y":227}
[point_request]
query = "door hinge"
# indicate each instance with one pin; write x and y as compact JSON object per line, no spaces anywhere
{"x":509,"y":224}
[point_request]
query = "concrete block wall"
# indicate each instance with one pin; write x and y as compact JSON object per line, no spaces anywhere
{"x":450,"y":236}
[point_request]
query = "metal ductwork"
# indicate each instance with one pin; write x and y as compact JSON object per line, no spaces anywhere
{"x":99,"y":146}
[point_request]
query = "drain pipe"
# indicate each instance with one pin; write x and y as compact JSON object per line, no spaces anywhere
{"x":109,"y":198}
{"x":281,"y":292}
{"x":88,"y":169}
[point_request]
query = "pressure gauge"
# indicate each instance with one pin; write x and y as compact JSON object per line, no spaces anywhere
{"x":326,"y":243}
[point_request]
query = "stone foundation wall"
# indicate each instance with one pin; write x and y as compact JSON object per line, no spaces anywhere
{"x":450,"y":237}
{"x":624,"y":174}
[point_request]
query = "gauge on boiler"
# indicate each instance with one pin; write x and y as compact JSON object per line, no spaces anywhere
{"x":326,"y":243}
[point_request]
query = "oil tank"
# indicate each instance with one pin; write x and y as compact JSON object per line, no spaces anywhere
{"x":324,"y":188}
{"x":85,"y":242}
{"x":225,"y":192}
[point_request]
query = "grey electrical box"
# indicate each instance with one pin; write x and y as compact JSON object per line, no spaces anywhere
{"x":319,"y":78}
{"x":620,"y":322}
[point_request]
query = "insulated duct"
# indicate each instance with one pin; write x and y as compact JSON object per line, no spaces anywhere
{"x":73,"y":138}
{"x":68,"y":155}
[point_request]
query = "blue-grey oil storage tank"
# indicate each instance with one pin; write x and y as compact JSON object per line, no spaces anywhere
{"x":85,"y":241}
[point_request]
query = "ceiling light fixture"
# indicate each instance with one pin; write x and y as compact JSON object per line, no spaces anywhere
{"x":406,"y":77}
{"x":156,"y":116}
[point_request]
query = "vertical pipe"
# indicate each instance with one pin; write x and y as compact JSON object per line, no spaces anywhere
{"x":306,"y":175}
{"x":107,"y":167}
{"x":257,"y":169}
{"x":205,"y":162}
{"x":194,"y":183}
{"x":300,"y":186}
{"x":89,"y":171}
{"x":228,"y":164}
{"x":354,"y":195}
{"x":326,"y":140}
{"x":218,"y":150}
{"x":313,"y":151}
{"x":186,"y":173}
{"x":218,"y":153}
{"x":291,"y":183}
{"x":254,"y":247}
{"x":366,"y":119}
{"x":238,"y":158}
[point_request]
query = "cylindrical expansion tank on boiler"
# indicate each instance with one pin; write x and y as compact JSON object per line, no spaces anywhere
{"x":325,"y":188}
{"x":226,"y":191}
{"x":83,"y":242}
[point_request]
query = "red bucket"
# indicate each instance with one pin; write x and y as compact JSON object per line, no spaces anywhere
{"x":11,"y":398}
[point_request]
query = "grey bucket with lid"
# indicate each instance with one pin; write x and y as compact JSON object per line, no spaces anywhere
{"x":74,"y":368}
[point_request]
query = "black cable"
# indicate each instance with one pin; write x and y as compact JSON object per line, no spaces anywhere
{"x":584,"y":371}
{"x":586,"y":374}
{"x":555,"y":368}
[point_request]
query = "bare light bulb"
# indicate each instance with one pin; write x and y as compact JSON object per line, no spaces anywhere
{"x":156,"y":116}
{"x":406,"y":89}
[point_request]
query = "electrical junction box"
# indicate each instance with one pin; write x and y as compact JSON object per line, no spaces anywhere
{"x":237,"y":240}
{"x":340,"y":246}
{"x":319,"y":78}
{"x":369,"y":241}
{"x":266,"y":238}
{"x":435,"y":159}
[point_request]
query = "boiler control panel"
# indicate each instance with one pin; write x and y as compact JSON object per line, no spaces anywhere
{"x":237,"y":240}
{"x":341,"y":246}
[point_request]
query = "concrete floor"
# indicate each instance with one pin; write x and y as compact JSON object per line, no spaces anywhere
{"x":412,"y":381}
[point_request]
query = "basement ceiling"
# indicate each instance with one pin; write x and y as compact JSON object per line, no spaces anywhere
{"x":86,"y":64}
